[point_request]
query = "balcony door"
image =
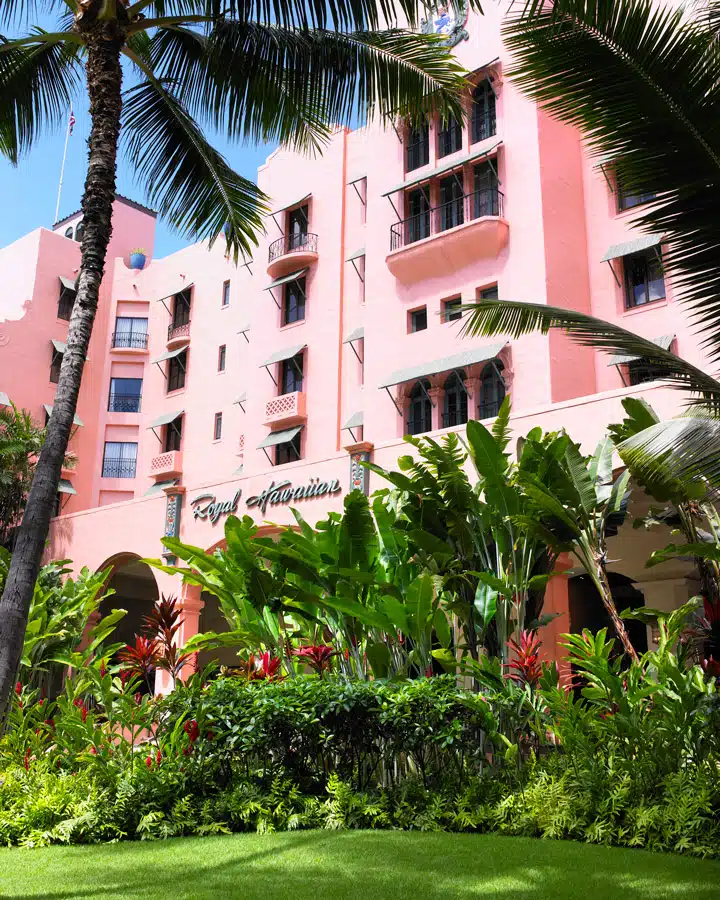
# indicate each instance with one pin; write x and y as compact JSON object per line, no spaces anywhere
{"x":417,"y":224}
{"x":451,"y":201}
{"x":297,"y":228}
{"x":130,"y":331}
{"x":181,"y":310}
{"x":485,"y":198}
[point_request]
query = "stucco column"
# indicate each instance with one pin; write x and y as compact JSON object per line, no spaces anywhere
{"x":360,"y":476}
{"x":557,"y":602}
{"x":665,"y":595}
{"x":472,"y":386}
{"x":437,"y":396}
{"x":191,"y":603}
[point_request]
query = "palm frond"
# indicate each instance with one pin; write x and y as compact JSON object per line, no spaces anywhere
{"x":191,"y":184}
{"x":491,"y":317}
{"x":624,"y":72}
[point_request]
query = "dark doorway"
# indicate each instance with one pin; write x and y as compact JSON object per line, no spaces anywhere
{"x":587,"y":610}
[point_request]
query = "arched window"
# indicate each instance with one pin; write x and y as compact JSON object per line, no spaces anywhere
{"x":420,"y":412}
{"x":492,"y":390}
{"x":456,"y":401}
{"x":69,"y":232}
{"x":79,"y":232}
{"x":483,"y":112}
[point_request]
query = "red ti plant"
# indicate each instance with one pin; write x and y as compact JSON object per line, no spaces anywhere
{"x":140,"y":659}
{"x":525,"y":667}
{"x":317,"y":656}
{"x":163,"y":625}
{"x":264,"y":667}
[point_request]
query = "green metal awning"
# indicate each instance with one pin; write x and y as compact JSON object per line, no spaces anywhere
{"x":241,"y":399}
{"x":636,"y":246}
{"x":664,"y":342}
{"x":455,"y":164}
{"x":244,"y":329}
{"x":239,"y":470}
{"x":171,"y":354}
{"x":354,"y":335}
{"x":68,"y":283}
{"x":445,"y":364}
{"x":60,"y":346}
{"x":356,"y":178}
{"x":292,"y":203}
{"x":76,"y":418}
{"x":487,"y":65}
{"x":293,"y":276}
{"x":158,"y":487}
{"x":4,"y":399}
{"x":356,"y":255}
{"x":355,"y":421}
{"x":65,"y":487}
{"x":166,"y":418}
{"x":280,"y":437}
{"x":180,"y":290}
{"x":282,"y":355}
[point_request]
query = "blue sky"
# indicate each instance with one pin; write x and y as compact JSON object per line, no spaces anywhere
{"x":28,"y":192}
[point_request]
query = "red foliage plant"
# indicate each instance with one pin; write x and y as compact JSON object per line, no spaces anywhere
{"x":525,"y":668}
{"x":317,"y":656}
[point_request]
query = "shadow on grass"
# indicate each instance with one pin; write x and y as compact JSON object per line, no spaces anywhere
{"x":353,"y":866}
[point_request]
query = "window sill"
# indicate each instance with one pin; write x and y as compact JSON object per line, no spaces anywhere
{"x":637,"y":310}
{"x":176,"y":393}
{"x":292,"y":325}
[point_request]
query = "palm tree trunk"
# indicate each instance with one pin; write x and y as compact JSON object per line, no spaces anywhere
{"x":104,"y":78}
{"x":609,"y":604}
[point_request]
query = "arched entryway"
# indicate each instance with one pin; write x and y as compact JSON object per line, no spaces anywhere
{"x":587,"y":609}
{"x":135,"y":590}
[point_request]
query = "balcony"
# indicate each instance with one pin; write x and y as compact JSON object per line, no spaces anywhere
{"x":119,"y":468}
{"x":290,"y":252}
{"x":166,"y":465}
{"x":129,"y":342}
{"x":178,"y":334}
{"x":287,"y":409}
{"x":124,"y":403}
{"x":442,"y":239}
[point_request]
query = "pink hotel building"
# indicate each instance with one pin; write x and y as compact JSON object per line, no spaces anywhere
{"x":211,"y":387}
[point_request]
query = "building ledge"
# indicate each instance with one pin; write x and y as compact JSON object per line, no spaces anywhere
{"x":166,"y":465}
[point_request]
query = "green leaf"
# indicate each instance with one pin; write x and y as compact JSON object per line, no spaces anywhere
{"x":378,"y":655}
{"x":486,"y":602}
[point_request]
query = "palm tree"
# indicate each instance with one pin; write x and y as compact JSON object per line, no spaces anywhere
{"x":20,"y":443}
{"x":283,"y":71}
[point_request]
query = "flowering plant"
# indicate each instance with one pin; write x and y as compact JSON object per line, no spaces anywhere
{"x":317,"y":656}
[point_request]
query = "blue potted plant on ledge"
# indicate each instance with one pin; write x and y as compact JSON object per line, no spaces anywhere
{"x":138,"y":258}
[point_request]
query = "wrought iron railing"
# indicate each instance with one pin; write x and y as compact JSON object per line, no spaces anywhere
{"x":299,"y":242}
{"x":417,"y":426}
{"x":181,"y":330}
{"x":483,"y":126}
{"x":135,"y":340}
{"x":454,"y":419}
{"x":119,"y":468}
{"x":436,"y":219}
{"x":489,"y":410}
{"x":124,"y":403}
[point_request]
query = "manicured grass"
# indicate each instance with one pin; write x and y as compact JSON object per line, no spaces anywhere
{"x":381,"y":865}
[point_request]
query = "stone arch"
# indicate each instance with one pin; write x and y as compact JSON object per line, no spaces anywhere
{"x":135,"y":589}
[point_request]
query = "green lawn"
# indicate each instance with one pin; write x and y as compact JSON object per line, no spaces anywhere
{"x":358,"y":865}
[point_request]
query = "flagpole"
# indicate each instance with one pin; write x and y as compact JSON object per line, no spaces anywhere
{"x":62,"y":170}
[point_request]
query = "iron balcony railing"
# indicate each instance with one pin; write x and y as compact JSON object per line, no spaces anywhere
{"x":178,"y":330}
{"x":135,"y":340}
{"x":119,"y":468}
{"x":484,"y":125}
{"x":435,"y":220}
{"x":453,"y":419}
{"x":489,"y":409}
{"x":298,"y":242}
{"x":417,"y":426}
{"x":124,"y":403}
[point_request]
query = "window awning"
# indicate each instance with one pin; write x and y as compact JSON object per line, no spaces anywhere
{"x":158,"y":487}
{"x":664,"y":342}
{"x":280,"y":437}
{"x":636,"y":246}
{"x":4,"y":399}
{"x":293,"y":276}
{"x":68,"y":283}
{"x":241,"y":399}
{"x":355,"y":421}
{"x":446,"y":364}
{"x":356,"y":255}
{"x":174,"y":293}
{"x":244,"y":329}
{"x":60,"y":346}
{"x":239,"y":469}
{"x":292,"y":203}
{"x":65,"y":487}
{"x":486,"y":66}
{"x":282,"y":355}
{"x":455,"y":164}
{"x":171,"y":354}
{"x":166,"y":418}
{"x":354,"y":335}
{"x":76,"y":418}
{"x":356,"y":178}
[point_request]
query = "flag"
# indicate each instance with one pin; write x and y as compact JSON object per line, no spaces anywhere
{"x":71,"y":124}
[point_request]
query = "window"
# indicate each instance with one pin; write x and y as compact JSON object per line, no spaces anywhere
{"x":55,"y":364}
{"x":489,"y":293}
{"x":627,"y":199}
{"x":172,"y":438}
{"x":418,"y":319}
{"x":130,"y":332}
{"x":486,"y":195}
{"x":181,"y":309}
{"x":291,"y":374}
{"x":483,"y":112}
{"x":69,"y":232}
{"x":417,"y":147}
{"x":641,"y":370}
{"x":125,"y":394}
{"x":297,"y":228}
{"x":451,"y":201}
{"x":417,"y":225}
{"x":451,"y":309}
{"x":226,"y":294}
{"x":66,"y":301}
{"x":449,"y":137}
{"x":221,"y":357}
{"x":456,"y":400}
{"x":119,"y":459}
{"x":176,"y":372}
{"x":492,"y":390}
{"x":79,"y":232}
{"x":420,"y":410}
{"x":644,"y":279}
{"x":293,"y":309}
{"x":217,"y":428}
{"x":288,"y":452}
